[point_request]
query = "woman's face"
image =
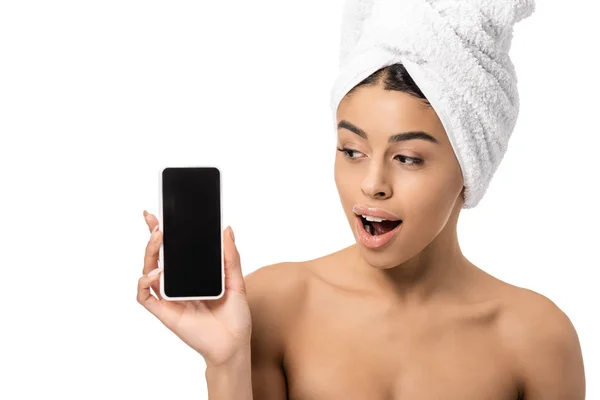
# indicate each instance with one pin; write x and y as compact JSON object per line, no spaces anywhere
{"x":418,"y":180}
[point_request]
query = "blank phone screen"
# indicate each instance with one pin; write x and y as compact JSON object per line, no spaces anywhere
{"x":191,"y":231}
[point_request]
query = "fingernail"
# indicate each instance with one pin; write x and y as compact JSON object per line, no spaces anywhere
{"x":154,"y":272}
{"x":155,"y":228}
{"x":145,"y":213}
{"x":232,"y":235}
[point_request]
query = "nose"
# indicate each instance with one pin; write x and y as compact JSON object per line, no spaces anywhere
{"x":375,"y":184}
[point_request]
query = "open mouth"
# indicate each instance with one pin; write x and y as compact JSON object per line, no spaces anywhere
{"x":376,"y":227}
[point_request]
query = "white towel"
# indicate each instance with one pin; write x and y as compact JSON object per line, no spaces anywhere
{"x":456,"y":51}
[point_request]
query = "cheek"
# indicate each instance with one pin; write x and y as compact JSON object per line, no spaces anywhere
{"x":347,"y":185}
{"x":436,"y":199}
{"x":345,"y":180}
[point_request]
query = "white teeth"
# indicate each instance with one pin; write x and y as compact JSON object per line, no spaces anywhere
{"x":373,"y":219}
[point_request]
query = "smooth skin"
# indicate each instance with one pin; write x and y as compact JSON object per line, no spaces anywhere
{"x":413,"y":320}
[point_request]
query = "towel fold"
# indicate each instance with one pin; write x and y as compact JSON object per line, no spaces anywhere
{"x":456,"y":51}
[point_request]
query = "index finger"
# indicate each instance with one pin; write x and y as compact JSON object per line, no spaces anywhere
{"x":152,"y":251}
{"x":151,"y":220}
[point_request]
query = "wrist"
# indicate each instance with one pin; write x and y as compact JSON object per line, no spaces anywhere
{"x":237,"y":359}
{"x":230,"y":379}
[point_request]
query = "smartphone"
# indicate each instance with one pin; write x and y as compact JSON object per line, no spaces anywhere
{"x":190,"y":218}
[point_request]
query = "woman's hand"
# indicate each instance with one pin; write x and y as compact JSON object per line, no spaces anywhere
{"x":217,"y":329}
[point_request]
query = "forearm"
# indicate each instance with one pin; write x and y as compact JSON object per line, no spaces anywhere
{"x":232,"y":381}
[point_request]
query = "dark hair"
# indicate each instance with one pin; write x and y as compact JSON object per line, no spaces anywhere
{"x":393,"y":77}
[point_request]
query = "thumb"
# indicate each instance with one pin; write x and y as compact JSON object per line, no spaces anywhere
{"x":234,"y":279}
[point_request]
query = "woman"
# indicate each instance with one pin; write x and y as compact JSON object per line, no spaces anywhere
{"x":400,"y":314}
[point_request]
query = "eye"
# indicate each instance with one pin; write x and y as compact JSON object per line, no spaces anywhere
{"x":411,"y":160}
{"x":347,"y":152}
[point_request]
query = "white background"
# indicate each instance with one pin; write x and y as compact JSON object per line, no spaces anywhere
{"x":95,"y":96}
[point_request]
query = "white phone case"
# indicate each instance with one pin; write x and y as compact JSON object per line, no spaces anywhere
{"x":161,"y":260}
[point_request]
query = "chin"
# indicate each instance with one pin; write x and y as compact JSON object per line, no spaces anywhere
{"x":385,"y":258}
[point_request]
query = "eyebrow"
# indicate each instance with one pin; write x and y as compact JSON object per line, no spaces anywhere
{"x":392,"y":139}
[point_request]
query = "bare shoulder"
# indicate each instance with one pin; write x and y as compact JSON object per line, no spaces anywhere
{"x":531,"y":319}
{"x":274,"y":293}
{"x":282,"y":282}
{"x":543,"y":343}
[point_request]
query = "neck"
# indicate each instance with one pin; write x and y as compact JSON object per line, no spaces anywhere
{"x":439,"y":270}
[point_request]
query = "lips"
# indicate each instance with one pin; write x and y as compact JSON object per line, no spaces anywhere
{"x":361,"y":209}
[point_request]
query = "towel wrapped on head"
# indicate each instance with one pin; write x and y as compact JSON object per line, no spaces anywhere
{"x":456,"y":51}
